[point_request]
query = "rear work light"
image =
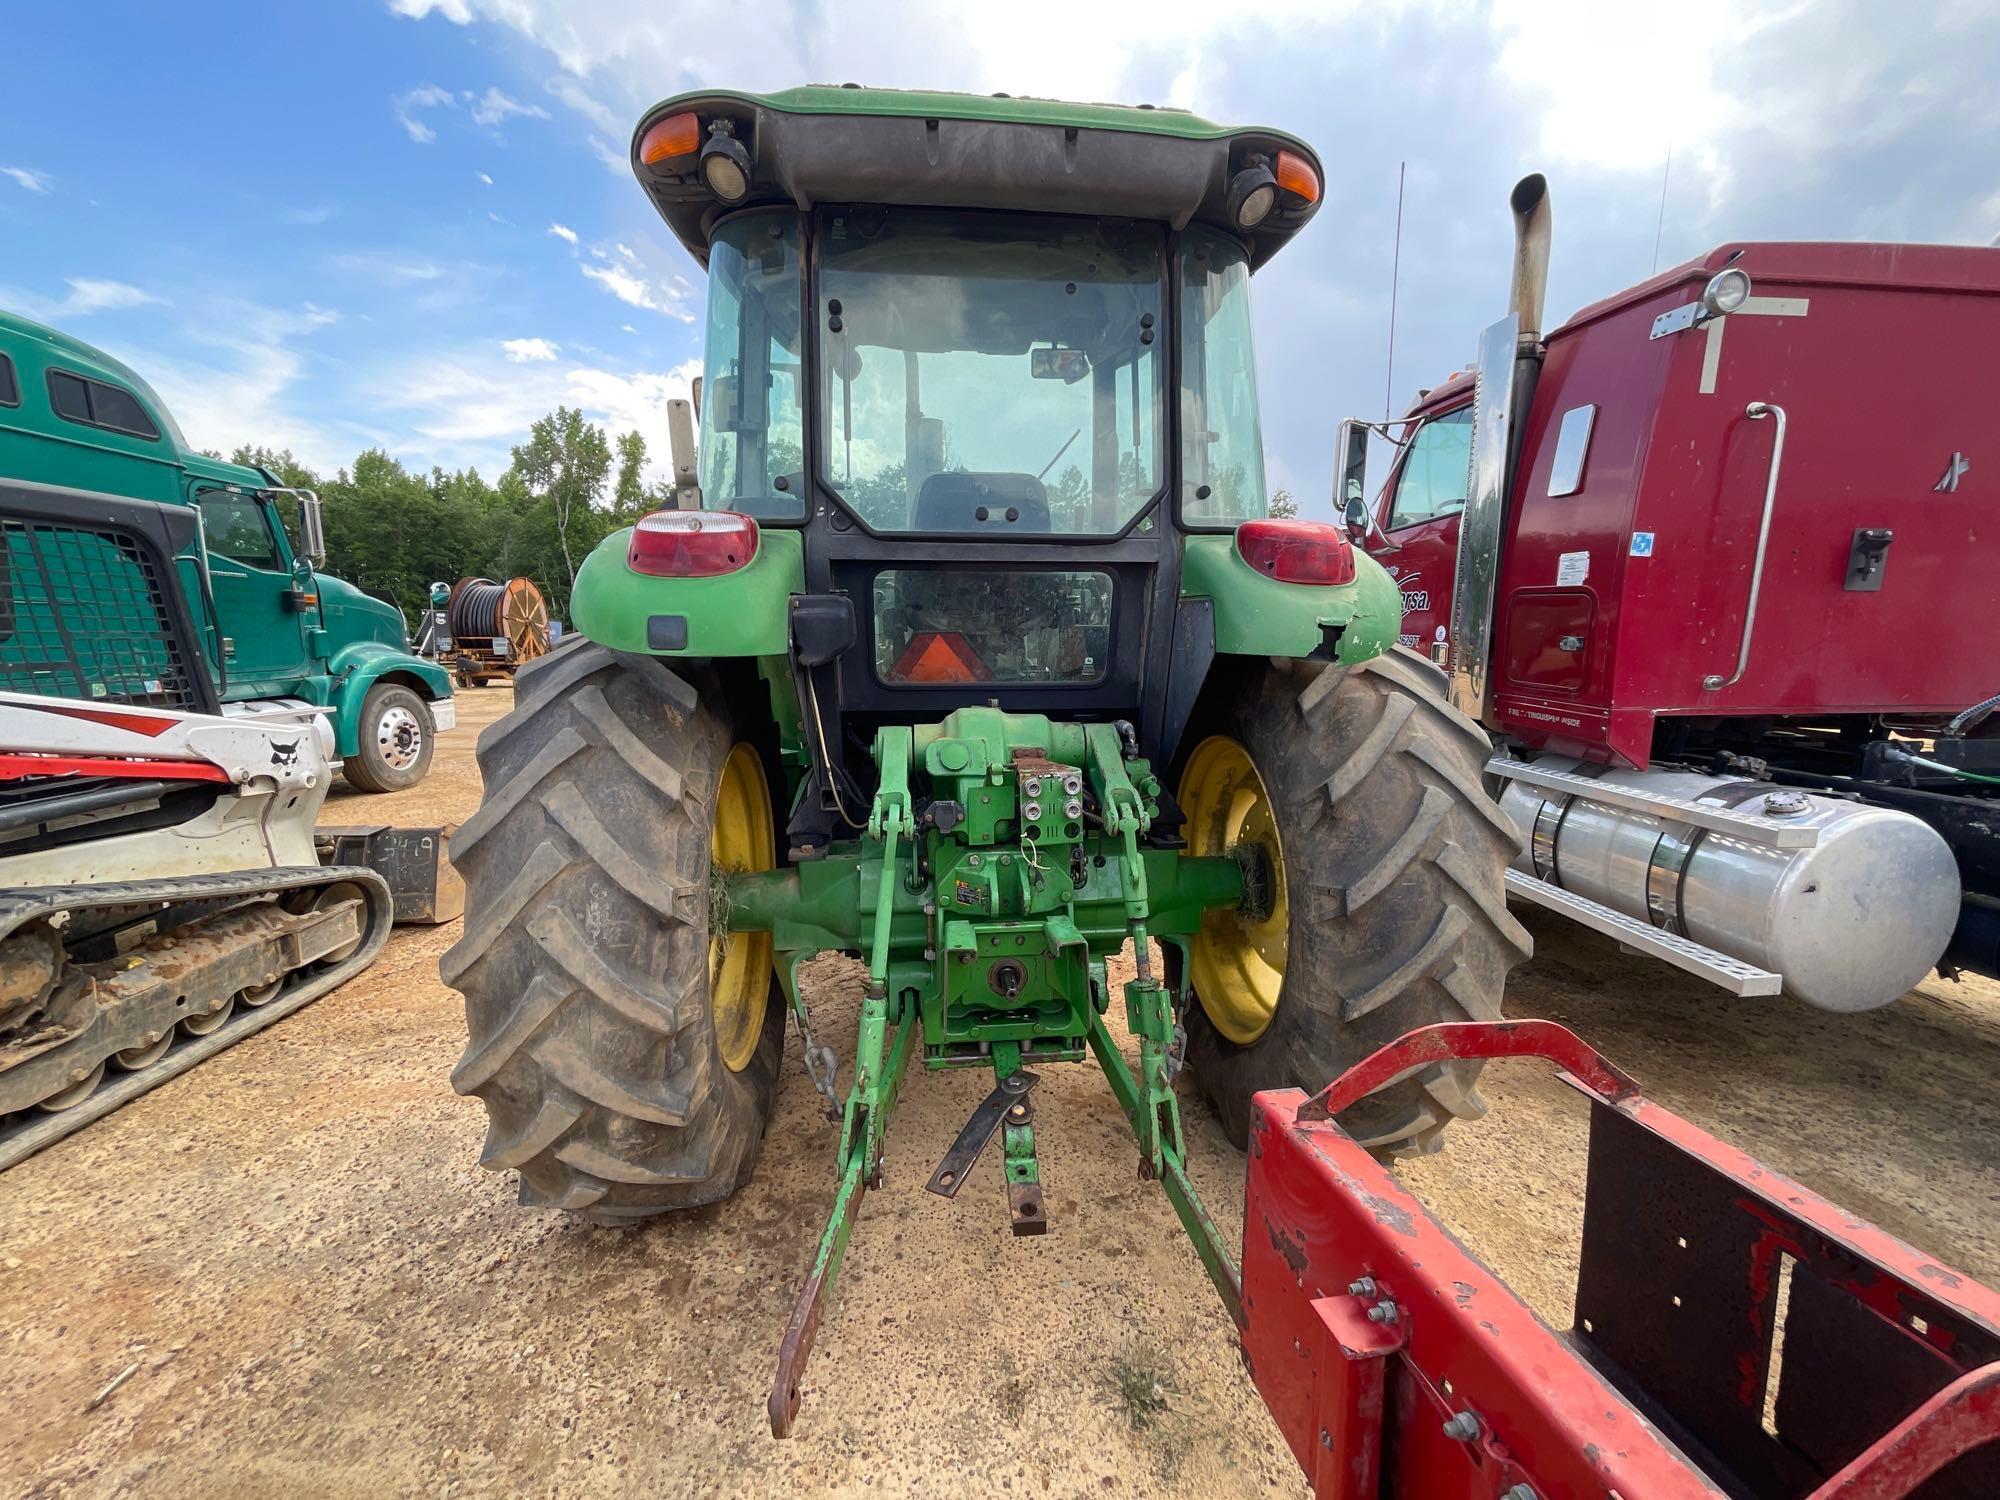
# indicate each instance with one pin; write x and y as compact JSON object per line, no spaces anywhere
{"x":691,"y":543}
{"x":1297,"y":551}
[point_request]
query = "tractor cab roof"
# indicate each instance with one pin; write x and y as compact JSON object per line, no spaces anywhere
{"x":846,"y":144}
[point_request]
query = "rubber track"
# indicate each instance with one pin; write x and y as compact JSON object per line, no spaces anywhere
{"x":26,"y":1132}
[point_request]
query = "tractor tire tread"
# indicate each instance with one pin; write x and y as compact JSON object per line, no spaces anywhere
{"x":1395,"y":863}
{"x":584,"y":955}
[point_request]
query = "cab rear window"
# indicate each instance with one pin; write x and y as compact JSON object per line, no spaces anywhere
{"x":96,"y":403}
{"x":961,"y":625}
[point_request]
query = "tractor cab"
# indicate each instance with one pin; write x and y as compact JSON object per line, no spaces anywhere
{"x":981,"y":363}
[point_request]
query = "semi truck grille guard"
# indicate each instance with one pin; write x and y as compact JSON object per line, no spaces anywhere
{"x":1735,"y":1334}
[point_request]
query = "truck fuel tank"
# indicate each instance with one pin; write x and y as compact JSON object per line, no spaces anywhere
{"x":1851,"y":922}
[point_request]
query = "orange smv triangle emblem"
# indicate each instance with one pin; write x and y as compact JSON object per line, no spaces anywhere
{"x":939,"y":656}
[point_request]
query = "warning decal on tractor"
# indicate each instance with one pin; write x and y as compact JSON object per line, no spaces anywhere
{"x":1572,"y":568}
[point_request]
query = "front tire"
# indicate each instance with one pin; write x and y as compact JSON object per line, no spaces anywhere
{"x":396,"y":736}
{"x":1376,"y":864}
{"x":615,"y":1081}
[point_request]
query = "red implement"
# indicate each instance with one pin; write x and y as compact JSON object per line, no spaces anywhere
{"x":1734,"y":1333}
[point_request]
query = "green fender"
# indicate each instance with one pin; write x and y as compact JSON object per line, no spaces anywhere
{"x":744,"y":613}
{"x":357,"y":667}
{"x":1259,"y":616}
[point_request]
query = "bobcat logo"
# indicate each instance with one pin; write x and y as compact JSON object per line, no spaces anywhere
{"x":285,"y":756}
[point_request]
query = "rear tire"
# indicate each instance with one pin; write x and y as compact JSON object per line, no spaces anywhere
{"x":585,"y":959}
{"x":1394,"y":863}
{"x":395,"y":739}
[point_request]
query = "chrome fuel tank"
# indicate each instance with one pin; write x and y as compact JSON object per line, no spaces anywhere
{"x":1851,"y":922}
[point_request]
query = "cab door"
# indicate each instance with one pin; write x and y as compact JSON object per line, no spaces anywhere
{"x":260,"y":609}
{"x":1418,"y":512}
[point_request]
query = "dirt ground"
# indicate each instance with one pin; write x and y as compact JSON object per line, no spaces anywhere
{"x":324,"y":1294}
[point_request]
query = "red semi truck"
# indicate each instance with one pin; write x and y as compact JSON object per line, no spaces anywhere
{"x":1715,"y":562}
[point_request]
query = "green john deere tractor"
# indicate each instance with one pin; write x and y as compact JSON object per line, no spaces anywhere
{"x":969,"y":650}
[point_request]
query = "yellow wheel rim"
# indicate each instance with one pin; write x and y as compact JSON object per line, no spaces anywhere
{"x":1238,"y":963}
{"x":739,"y":963}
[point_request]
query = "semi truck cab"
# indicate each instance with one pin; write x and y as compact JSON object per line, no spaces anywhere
{"x":280,"y":634}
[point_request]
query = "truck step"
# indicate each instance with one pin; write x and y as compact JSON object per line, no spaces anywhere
{"x":1716,"y":967}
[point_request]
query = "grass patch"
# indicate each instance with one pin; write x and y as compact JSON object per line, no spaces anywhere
{"x":1143,"y":1386}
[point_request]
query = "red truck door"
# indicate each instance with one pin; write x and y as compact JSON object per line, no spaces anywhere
{"x":1419,"y":510}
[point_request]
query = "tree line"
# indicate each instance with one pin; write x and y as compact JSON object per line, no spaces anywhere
{"x":394,"y":531}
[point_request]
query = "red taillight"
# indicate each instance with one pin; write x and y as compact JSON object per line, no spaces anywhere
{"x":1297,"y":551}
{"x":691,"y":543}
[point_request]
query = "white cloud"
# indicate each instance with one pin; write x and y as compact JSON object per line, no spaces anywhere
{"x":425,"y":96}
{"x":484,"y":178}
{"x":529,"y":351}
{"x":563,"y":232}
{"x":389,"y":266}
{"x":470,"y":405}
{"x":614,"y":161}
{"x":628,"y":327}
{"x":639,"y":292}
{"x":89,"y":295}
{"x":317,"y":213}
{"x":495,"y":106}
{"x":628,"y":253}
{"x":30,"y":179}
{"x":228,"y":380}
{"x":580,"y":99}
{"x":1605,"y":95}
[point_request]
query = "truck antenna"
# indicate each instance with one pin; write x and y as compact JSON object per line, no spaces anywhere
{"x":1659,"y":228}
{"x":1395,"y":273}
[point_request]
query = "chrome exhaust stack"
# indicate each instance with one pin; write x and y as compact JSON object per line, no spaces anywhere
{"x":1533,"y":226}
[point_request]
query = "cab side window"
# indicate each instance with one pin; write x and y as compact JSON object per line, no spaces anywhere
{"x":94,"y":403}
{"x":1432,"y":481}
{"x":10,"y":386}
{"x":235,"y":527}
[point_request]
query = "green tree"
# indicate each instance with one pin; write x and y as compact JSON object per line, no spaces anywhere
{"x":1283,"y":506}
{"x":564,"y":465}
{"x":630,"y":498}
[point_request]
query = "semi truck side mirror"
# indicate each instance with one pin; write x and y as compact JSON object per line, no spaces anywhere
{"x":1351,"y":477}
{"x":312,"y":528}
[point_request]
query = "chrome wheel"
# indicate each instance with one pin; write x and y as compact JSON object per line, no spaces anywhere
{"x":399,"y":737}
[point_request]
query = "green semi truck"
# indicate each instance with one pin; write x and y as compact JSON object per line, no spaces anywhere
{"x":281,"y":634}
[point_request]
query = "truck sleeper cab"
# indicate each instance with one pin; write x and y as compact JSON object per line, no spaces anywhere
{"x":1735,"y":543}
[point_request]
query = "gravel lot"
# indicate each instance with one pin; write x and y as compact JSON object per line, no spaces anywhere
{"x":324,"y":1294}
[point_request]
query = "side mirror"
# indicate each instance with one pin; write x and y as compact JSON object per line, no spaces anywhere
{"x":312,"y":528}
{"x":697,"y":400}
{"x":1350,"y":489}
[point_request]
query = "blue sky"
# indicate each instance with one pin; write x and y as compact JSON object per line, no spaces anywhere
{"x":330,"y":226}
